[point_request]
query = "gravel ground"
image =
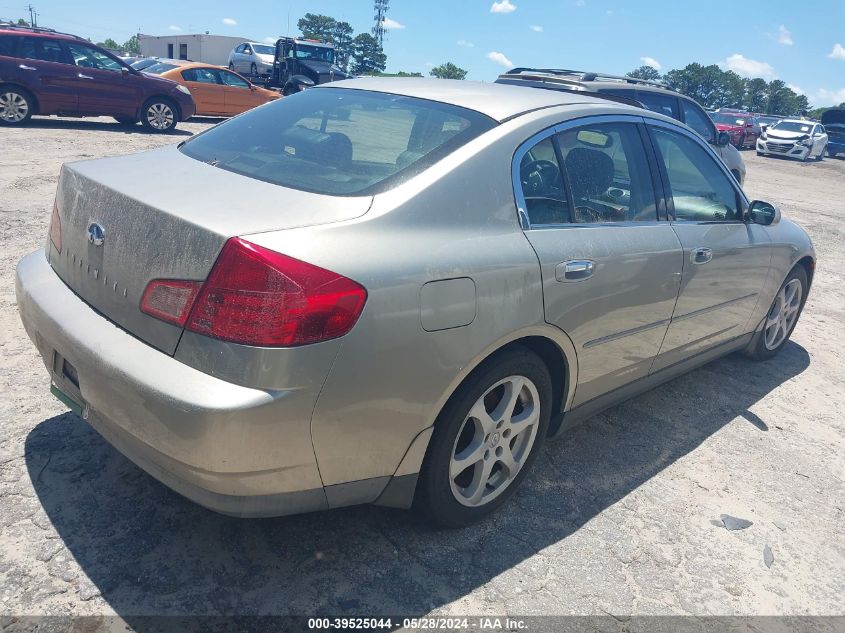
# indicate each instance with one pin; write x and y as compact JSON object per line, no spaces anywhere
{"x":622,"y":515}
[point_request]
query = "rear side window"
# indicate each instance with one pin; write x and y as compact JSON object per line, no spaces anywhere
{"x":656,"y":102}
{"x":338,"y":141}
{"x":42,"y":49}
{"x":199,"y":75}
{"x":7,"y":45}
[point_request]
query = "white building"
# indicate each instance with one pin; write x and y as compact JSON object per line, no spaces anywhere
{"x":211,"y":49}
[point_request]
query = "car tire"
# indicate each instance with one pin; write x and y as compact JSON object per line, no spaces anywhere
{"x":126,"y":120}
{"x":16,"y":106}
{"x":450,"y":497}
{"x":159,"y":115}
{"x":741,"y":143}
{"x":781,"y":317}
{"x":830,"y":153}
{"x":820,"y":157}
{"x":759,"y":153}
{"x":253,"y":69}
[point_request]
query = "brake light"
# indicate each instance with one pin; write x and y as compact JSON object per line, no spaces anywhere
{"x":170,"y":300}
{"x":56,"y":228}
{"x":255,"y":296}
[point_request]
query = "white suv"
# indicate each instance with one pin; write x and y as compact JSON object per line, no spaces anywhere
{"x":252,"y":58}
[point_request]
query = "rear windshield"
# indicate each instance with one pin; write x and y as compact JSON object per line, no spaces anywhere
{"x":157,"y":69}
{"x":338,"y":141}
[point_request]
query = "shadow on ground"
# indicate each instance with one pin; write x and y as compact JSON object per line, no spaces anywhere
{"x":149,"y":551}
{"x":102,"y":126}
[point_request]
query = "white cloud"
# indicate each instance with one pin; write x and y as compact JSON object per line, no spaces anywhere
{"x":429,"y":64}
{"x":270,"y":39}
{"x":838,"y":52}
{"x":580,"y":3}
{"x":609,"y":13}
{"x":504,"y":6}
{"x":465,"y":44}
{"x":536,"y":28}
{"x":499,"y":58}
{"x":650,"y":61}
{"x":746,"y":67}
{"x":830,"y":97}
{"x":173,"y":27}
{"x":796,"y":89}
{"x":229,"y":21}
{"x":784,"y":36}
{"x":393,"y":24}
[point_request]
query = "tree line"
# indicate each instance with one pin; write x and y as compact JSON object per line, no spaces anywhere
{"x":715,"y":88}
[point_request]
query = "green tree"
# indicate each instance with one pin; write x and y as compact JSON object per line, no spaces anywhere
{"x":645,"y":72}
{"x":367,"y":55}
{"x":756,"y":95}
{"x":317,"y":27}
{"x":132,"y":46}
{"x":22,"y":22}
{"x":342,"y":39}
{"x":109,"y":43}
{"x":448,"y":71}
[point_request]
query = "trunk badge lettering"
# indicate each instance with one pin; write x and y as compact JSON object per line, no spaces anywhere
{"x":96,"y":234}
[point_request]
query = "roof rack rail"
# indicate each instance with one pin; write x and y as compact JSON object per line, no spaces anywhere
{"x":564,"y":86}
{"x":38,"y":29}
{"x":581,"y":75}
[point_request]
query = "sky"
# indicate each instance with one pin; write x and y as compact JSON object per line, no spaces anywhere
{"x":801,"y":44}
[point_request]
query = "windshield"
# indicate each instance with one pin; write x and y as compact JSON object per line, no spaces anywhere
{"x":792,"y":126}
{"x":317,"y":53}
{"x":263,"y":50}
{"x":338,"y":141}
{"x":726,"y":118}
{"x":161,"y":67}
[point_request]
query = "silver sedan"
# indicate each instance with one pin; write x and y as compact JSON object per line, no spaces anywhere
{"x":393,"y":291}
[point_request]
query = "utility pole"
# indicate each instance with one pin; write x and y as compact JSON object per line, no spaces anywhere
{"x":31,"y":16}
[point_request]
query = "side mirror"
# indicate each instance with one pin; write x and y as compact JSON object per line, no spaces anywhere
{"x":763,"y":213}
{"x":125,"y":72}
{"x":723,"y":139}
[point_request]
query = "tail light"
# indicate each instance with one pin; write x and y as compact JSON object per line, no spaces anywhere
{"x":255,"y":296}
{"x":170,"y":300}
{"x":56,"y":228}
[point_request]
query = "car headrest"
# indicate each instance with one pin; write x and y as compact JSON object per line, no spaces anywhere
{"x":590,"y":171}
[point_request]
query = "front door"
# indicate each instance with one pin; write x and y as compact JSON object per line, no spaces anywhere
{"x":611,"y":268}
{"x":206,"y":89}
{"x":726,"y":260}
{"x":238,"y":93}
{"x":103,"y":86}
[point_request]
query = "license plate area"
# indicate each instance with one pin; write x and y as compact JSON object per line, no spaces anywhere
{"x":65,"y":385}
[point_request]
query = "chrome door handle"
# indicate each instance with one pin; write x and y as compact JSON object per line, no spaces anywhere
{"x":701,"y":255}
{"x":25,"y":67}
{"x":574,"y":270}
{"x":81,"y":76}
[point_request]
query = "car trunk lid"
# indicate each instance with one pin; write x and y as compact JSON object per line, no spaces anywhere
{"x":163,"y":215}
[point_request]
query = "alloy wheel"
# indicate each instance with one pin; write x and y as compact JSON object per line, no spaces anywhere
{"x":160,"y":116}
{"x":783,"y":314}
{"x":494,"y":441}
{"x":13,"y":107}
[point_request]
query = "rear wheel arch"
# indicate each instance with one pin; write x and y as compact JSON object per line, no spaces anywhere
{"x":29,"y":93}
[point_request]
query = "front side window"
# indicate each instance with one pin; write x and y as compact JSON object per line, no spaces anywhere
{"x":261,"y":49}
{"x":542,"y":185}
{"x":701,"y":191}
{"x":315,"y":53}
{"x":231,"y":79}
{"x":656,"y":102}
{"x":695,"y":118}
{"x":87,"y":57}
{"x":608,"y":173}
{"x":338,"y":141}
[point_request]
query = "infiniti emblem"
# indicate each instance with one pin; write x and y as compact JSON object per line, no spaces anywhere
{"x":96,"y":234}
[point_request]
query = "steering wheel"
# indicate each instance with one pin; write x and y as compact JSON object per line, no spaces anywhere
{"x":539,"y":176}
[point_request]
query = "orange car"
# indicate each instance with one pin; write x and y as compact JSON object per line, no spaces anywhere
{"x":216,"y":90}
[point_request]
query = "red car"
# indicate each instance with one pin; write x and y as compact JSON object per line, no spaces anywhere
{"x":743,"y":128}
{"x":45,"y":72}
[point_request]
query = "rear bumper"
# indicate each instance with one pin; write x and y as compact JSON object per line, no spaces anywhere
{"x":234,"y":449}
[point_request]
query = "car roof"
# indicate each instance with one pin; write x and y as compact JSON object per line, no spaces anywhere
{"x":807,"y":121}
{"x":498,"y":101}
{"x":28,"y":32}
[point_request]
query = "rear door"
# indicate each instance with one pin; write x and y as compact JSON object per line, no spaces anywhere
{"x":206,"y":88}
{"x":45,"y":69}
{"x":102,"y":86}
{"x":611,"y":267}
{"x":725,"y":260}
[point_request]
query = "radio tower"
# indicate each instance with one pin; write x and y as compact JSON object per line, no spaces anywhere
{"x":380,"y":9}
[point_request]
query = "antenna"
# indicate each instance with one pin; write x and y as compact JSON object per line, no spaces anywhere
{"x":380,"y":8}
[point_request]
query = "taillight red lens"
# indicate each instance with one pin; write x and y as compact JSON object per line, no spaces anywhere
{"x":256,"y":296}
{"x":56,"y":228}
{"x":170,"y":300}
